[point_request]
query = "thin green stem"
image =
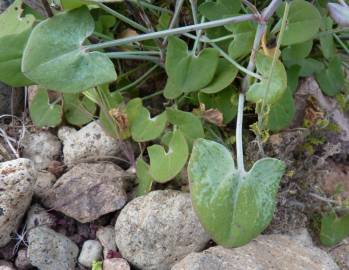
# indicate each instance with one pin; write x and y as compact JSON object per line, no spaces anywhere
{"x":341,"y":43}
{"x":122,"y":18}
{"x":178,"y":7}
{"x":116,"y":55}
{"x":139,"y":80}
{"x":151,"y":6}
{"x":330,"y":32}
{"x":153,"y":95}
{"x":175,"y":31}
{"x":193,"y":5}
{"x":100,"y":35}
{"x":239,"y":144}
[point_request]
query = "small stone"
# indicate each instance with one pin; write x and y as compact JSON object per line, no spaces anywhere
{"x":116,"y":264}
{"x":38,"y":216}
{"x":91,"y":251}
{"x":265,"y":252}
{"x":89,"y":142}
{"x":41,"y":147}
{"x":106,"y":236}
{"x":154,"y":231}
{"x":4,"y":265}
{"x":17,"y":178}
{"x":22,"y":261}
{"x":340,"y":254}
{"x":43,"y":185}
{"x":48,"y":250}
{"x":88,"y":191}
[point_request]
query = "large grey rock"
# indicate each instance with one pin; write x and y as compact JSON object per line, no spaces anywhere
{"x":17,"y":179}
{"x":91,"y":251}
{"x":88,"y":191}
{"x":280,"y":252}
{"x":41,"y":147}
{"x":48,"y":250}
{"x":156,"y":230}
{"x":89,"y":142}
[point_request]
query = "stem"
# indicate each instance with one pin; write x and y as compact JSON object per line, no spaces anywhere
{"x":175,"y":31}
{"x":134,"y":57}
{"x":178,"y":7}
{"x":122,"y":18}
{"x":150,"y":6}
{"x":341,"y":43}
{"x":239,"y":145}
{"x":198,"y":32}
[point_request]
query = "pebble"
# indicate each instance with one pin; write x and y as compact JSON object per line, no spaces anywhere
{"x":91,"y":251}
{"x":116,"y":264}
{"x":106,"y":236}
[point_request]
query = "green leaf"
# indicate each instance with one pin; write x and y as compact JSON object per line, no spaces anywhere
{"x":303,"y":22}
{"x":78,"y":111}
{"x":225,"y":101}
{"x":327,"y":45}
{"x":277,"y":85}
{"x":297,"y":51}
{"x":104,"y":25}
{"x":189,"y":124}
{"x":143,"y":127}
{"x":42,"y":113}
{"x":309,"y":66}
{"x":331,"y":79}
{"x":166,"y":165}
{"x":219,"y":9}
{"x":177,"y":50}
{"x":293,"y":77}
{"x":281,"y":113}
{"x":333,"y":229}
{"x":171,"y":90}
{"x":232,"y":206}
{"x":144,"y":178}
{"x":225,"y":75}
{"x":243,"y":41}
{"x":188,"y":75}
{"x":55,"y":48}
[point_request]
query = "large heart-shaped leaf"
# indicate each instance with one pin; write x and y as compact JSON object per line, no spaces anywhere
{"x":42,"y":112}
{"x":272,"y":86}
{"x":144,"y":179}
{"x":326,"y":41}
{"x":195,"y":72}
{"x":56,"y":58}
{"x":177,"y":50}
{"x":225,"y":101}
{"x":13,"y":38}
{"x":143,"y":127}
{"x":188,"y":123}
{"x":303,"y":22}
{"x":78,"y":111}
{"x":333,"y":229}
{"x":331,"y":79}
{"x":219,"y":9}
{"x":242,"y":43}
{"x":225,"y":75}
{"x":233,"y":206}
{"x":297,"y":51}
{"x":166,"y":165}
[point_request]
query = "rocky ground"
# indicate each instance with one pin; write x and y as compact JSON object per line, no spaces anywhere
{"x":68,"y":199}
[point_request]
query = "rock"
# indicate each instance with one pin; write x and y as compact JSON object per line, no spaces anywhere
{"x":4,"y":265}
{"x":38,"y":216}
{"x":340,"y":254}
{"x":88,"y":191}
{"x":41,"y":147}
{"x":106,"y":236}
{"x":91,"y":251}
{"x":265,"y":252}
{"x":158,"y":229}
{"x":89,"y":142}
{"x":48,"y":250}
{"x":116,"y":264}
{"x":22,"y":261}
{"x":44,"y":182}
{"x":17,"y":178}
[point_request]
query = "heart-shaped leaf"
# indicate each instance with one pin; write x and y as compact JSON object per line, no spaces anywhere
{"x":189,"y":124}
{"x":297,"y":51}
{"x":56,"y":58}
{"x":242,"y":43}
{"x":233,"y":206}
{"x":13,"y":38}
{"x":225,"y":75}
{"x":188,"y":75}
{"x":225,"y":101}
{"x":327,"y":45}
{"x":78,"y":111}
{"x":166,"y":165}
{"x":282,"y":112}
{"x":42,"y":113}
{"x":177,"y":50}
{"x":331,"y":79}
{"x":270,"y":88}
{"x":219,"y":9}
{"x":143,"y":127}
{"x":144,"y":178}
{"x":303,"y":22}
{"x":333,"y":229}
{"x":171,"y":90}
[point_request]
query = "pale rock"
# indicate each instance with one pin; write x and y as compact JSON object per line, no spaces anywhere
{"x":116,"y":264}
{"x":22,"y":261}
{"x":44,"y":182}
{"x":106,"y":236}
{"x":38,"y":216}
{"x":91,"y":251}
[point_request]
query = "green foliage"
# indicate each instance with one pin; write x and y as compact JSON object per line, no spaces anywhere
{"x":78,"y":111}
{"x":55,"y":47}
{"x":233,"y":206}
{"x":272,"y":86}
{"x":333,"y":229}
{"x":97,"y":265}
{"x":144,"y":179}
{"x":164,"y":166}
{"x":219,"y":9}
{"x":42,"y":112}
{"x":243,"y":39}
